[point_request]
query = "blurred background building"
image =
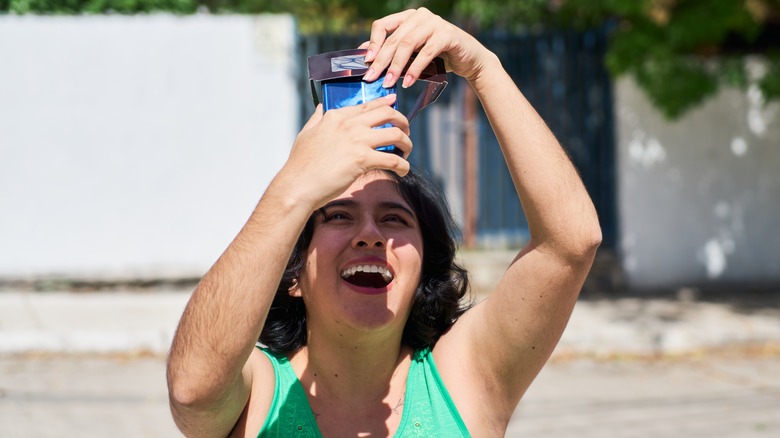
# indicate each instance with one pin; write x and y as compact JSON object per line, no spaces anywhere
{"x":135,"y":146}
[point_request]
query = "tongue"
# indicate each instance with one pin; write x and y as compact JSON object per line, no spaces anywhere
{"x":367,"y":279}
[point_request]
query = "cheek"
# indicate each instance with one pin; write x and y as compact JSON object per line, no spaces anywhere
{"x":320,"y":257}
{"x":330,"y":240}
{"x":309,"y":274}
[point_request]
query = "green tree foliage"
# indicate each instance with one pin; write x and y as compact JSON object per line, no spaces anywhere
{"x":503,"y":14}
{"x":99,"y":6}
{"x":680,"y":52}
{"x":317,"y":16}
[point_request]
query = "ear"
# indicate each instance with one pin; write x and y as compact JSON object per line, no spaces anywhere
{"x":294,"y":290}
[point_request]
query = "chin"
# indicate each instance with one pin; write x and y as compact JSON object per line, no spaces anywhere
{"x":371,"y":319}
{"x":367,"y":319}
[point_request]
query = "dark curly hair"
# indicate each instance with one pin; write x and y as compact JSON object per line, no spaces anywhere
{"x":438,"y":301}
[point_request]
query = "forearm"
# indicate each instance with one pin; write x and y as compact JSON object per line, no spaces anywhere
{"x":226,"y":313}
{"x":560,"y":214}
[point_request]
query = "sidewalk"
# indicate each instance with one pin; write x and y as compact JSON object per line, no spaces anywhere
{"x":144,"y":321}
{"x":92,"y":364}
{"x":723,"y":395}
{"x":90,"y":322}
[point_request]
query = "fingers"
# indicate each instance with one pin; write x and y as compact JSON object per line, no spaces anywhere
{"x":364,"y":125}
{"x":392,"y":162}
{"x":392,"y":136}
{"x":386,"y":115}
{"x":403,"y":47}
{"x":386,"y":33}
{"x":434,"y":47}
{"x":380,"y":135}
{"x":376,"y":159}
{"x":376,"y":112}
{"x":410,"y":31}
{"x":381,"y":28}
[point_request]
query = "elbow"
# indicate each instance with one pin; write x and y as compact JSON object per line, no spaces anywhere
{"x":186,"y":396}
{"x":189,"y":393}
{"x":589,"y":235}
{"x":593,"y":242}
{"x":581,"y":247}
{"x":198,"y":413}
{"x":588,"y":243}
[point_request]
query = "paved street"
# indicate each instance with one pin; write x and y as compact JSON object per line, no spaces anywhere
{"x":69,"y":367}
{"x":703,"y":397}
{"x":730,"y":394}
{"x":83,"y":397}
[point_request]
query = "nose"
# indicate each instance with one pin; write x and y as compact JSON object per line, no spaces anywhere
{"x":369,"y":236}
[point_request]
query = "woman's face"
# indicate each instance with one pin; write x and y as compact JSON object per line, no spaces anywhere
{"x":364,"y":262}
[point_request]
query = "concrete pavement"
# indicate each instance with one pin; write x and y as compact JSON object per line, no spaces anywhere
{"x":90,"y":322}
{"x":724,"y":395}
{"x":85,"y":396}
{"x":144,"y":321}
{"x":91,"y":364}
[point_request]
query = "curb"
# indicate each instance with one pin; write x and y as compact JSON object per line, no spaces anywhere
{"x":145,"y":321}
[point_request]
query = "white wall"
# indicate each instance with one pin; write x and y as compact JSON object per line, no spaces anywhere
{"x":137,"y":146}
{"x":699,"y":198}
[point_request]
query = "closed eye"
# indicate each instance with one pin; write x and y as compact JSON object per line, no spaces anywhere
{"x":336,"y":216}
{"x":395,"y":218}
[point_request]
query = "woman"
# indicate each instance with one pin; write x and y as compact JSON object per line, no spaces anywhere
{"x":374,"y":354}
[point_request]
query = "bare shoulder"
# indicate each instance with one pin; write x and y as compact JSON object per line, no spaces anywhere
{"x":261,"y":395}
{"x":495,"y":350}
{"x":469,"y":386}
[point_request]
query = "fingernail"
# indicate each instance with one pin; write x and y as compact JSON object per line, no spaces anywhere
{"x":388,"y":80}
{"x":369,"y":55}
{"x":408,"y":79}
{"x":369,"y":75}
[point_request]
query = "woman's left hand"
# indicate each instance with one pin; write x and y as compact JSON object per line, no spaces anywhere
{"x":395,"y":38}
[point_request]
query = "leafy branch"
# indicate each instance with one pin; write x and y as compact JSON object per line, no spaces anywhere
{"x":680,"y":52}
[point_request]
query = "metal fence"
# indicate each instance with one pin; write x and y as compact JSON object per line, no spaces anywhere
{"x":561,"y":72}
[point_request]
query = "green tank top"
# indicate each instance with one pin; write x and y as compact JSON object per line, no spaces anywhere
{"x":428,"y":409}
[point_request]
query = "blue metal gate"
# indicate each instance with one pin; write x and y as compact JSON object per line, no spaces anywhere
{"x":561,"y":72}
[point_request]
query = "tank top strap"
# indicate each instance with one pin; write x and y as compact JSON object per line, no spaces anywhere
{"x":290,"y":413}
{"x":428,"y":408}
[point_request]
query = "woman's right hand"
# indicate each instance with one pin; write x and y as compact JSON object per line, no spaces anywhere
{"x":396,"y":37}
{"x":335,"y":148}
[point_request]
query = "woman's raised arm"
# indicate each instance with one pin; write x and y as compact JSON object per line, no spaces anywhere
{"x":495,"y":350}
{"x":213,"y":367}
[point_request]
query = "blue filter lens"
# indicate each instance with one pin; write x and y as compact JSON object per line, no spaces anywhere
{"x":343,"y":93}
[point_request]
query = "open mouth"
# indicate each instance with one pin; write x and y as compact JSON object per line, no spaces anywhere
{"x":373,"y":276}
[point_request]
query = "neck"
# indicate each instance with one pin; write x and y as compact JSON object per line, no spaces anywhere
{"x":353,"y":370}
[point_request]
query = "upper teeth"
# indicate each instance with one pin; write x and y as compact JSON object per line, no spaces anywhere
{"x":375,"y":269}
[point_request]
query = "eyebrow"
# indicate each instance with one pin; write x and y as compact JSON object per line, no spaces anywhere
{"x":388,"y":205}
